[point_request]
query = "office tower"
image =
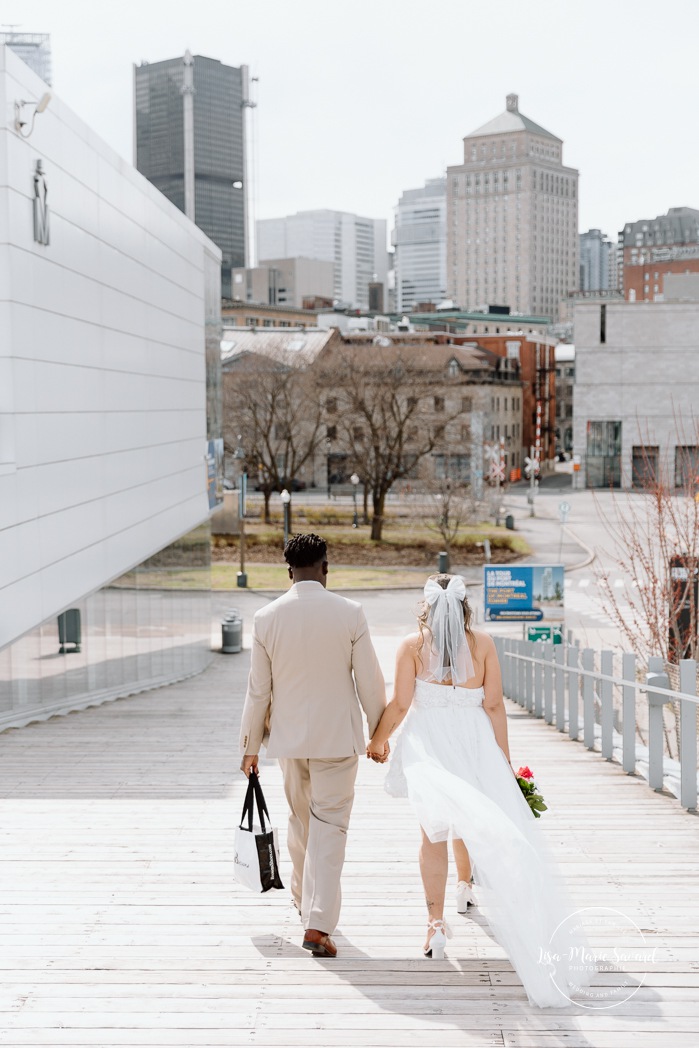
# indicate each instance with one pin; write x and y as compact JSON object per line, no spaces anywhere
{"x":420,"y":240}
{"x":189,"y":128}
{"x":596,"y":259}
{"x":512,"y":217}
{"x":32,"y":48}
{"x":354,"y":244}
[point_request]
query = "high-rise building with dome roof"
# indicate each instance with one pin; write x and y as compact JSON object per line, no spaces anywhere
{"x":512,"y":218}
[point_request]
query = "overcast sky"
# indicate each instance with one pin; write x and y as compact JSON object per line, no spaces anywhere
{"x":361,"y":99}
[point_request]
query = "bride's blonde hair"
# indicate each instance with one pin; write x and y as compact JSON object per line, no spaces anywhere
{"x":443,"y":579}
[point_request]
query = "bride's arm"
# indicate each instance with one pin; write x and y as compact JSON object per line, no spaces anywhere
{"x":401,"y":700}
{"x":492,"y":703}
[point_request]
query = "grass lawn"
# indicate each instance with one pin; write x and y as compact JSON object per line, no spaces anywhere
{"x":275,"y":577}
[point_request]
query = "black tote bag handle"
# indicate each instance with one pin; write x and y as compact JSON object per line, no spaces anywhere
{"x":254,"y":793}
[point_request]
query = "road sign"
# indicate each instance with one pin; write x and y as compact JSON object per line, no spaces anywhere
{"x":545,"y":633}
{"x":497,"y":471}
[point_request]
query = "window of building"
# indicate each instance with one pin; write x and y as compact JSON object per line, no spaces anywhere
{"x":452,"y":467}
{"x":603,"y":461}
{"x":439,"y":403}
{"x":644,"y":466}
{"x":467,"y":403}
{"x":331,"y":433}
{"x":331,"y":405}
{"x":686,"y":466}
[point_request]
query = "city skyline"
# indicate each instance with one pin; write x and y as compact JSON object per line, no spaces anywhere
{"x":328,"y":101}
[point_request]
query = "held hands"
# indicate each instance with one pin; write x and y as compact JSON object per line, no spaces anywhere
{"x":378,"y":754}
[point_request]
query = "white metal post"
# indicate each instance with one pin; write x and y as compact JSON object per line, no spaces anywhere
{"x":688,"y":735}
{"x":560,"y":679}
{"x":628,"y":713}
{"x":606,"y":697}
{"x":588,"y":685}
{"x":573,"y":688}
{"x":658,"y":679}
{"x":548,"y":653}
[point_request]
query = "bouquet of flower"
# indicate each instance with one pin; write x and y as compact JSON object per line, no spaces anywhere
{"x":525,"y":778}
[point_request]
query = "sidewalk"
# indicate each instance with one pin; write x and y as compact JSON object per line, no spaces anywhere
{"x":121,"y":923}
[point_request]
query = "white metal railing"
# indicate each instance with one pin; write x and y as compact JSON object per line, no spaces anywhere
{"x":559,"y":683}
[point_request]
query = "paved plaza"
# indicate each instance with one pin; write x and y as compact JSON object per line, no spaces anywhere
{"x":122,"y":925}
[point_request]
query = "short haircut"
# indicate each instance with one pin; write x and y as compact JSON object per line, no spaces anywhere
{"x":303,"y":551}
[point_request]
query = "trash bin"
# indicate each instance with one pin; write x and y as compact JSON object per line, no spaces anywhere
{"x":443,"y":563}
{"x":232,"y":635}
{"x":510,"y":522}
{"x":69,"y":630}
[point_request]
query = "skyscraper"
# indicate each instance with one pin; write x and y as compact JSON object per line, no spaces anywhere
{"x":32,"y":48}
{"x":597,"y":262}
{"x":420,"y":240}
{"x":512,"y":217}
{"x":189,"y":131}
{"x":356,"y":245}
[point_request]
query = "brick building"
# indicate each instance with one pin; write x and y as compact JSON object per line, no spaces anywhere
{"x":645,"y":282}
{"x":536,"y":366}
{"x":650,"y":248}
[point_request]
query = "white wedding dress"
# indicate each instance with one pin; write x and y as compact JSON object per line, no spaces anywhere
{"x":447,"y":762}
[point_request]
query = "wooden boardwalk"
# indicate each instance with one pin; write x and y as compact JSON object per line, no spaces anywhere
{"x":121,"y":924}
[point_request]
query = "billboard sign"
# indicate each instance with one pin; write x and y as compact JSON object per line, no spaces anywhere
{"x":530,"y":593}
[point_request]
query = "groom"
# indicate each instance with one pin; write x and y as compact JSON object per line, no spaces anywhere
{"x":313,"y":666}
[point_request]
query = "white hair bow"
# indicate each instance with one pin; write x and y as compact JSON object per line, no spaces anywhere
{"x":450,"y":655}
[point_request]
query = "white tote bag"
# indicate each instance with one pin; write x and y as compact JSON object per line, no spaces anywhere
{"x":256,"y":863}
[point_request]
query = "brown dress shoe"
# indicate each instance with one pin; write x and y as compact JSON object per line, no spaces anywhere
{"x":319,"y":943}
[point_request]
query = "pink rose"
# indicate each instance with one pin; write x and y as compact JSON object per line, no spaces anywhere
{"x":525,"y":773}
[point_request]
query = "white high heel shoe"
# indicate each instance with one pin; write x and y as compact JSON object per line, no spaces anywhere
{"x":464,"y":897}
{"x":442,"y":932}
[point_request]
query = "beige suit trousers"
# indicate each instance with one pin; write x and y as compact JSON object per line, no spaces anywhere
{"x":320,"y":793}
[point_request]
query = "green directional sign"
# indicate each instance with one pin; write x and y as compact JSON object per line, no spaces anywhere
{"x":545,"y":633}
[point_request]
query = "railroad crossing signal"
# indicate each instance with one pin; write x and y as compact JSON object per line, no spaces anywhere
{"x":531,"y":466}
{"x":497,"y":471}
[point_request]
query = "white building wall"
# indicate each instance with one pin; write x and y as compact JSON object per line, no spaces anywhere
{"x":102,"y":365}
{"x":645,"y":375}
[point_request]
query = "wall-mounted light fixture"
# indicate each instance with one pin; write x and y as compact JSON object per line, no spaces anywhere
{"x":22,"y":121}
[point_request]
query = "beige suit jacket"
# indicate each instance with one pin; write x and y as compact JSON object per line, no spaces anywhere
{"x":313,"y":666}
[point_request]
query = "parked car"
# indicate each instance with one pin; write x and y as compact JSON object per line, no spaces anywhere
{"x":290,"y":483}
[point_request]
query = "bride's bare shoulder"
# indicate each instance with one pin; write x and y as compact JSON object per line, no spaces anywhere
{"x":411,"y":643}
{"x":484,"y":642}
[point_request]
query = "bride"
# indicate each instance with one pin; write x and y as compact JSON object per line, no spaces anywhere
{"x":452,"y":762}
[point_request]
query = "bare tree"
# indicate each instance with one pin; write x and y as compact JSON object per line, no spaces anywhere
{"x":655,"y":535}
{"x":391,"y":412}
{"x":452,"y":507}
{"x":275,"y":407}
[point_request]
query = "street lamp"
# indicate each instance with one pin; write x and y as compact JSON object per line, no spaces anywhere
{"x":328,"y":449}
{"x":286,"y":499}
{"x":355,"y":483}
{"x":239,"y":455}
